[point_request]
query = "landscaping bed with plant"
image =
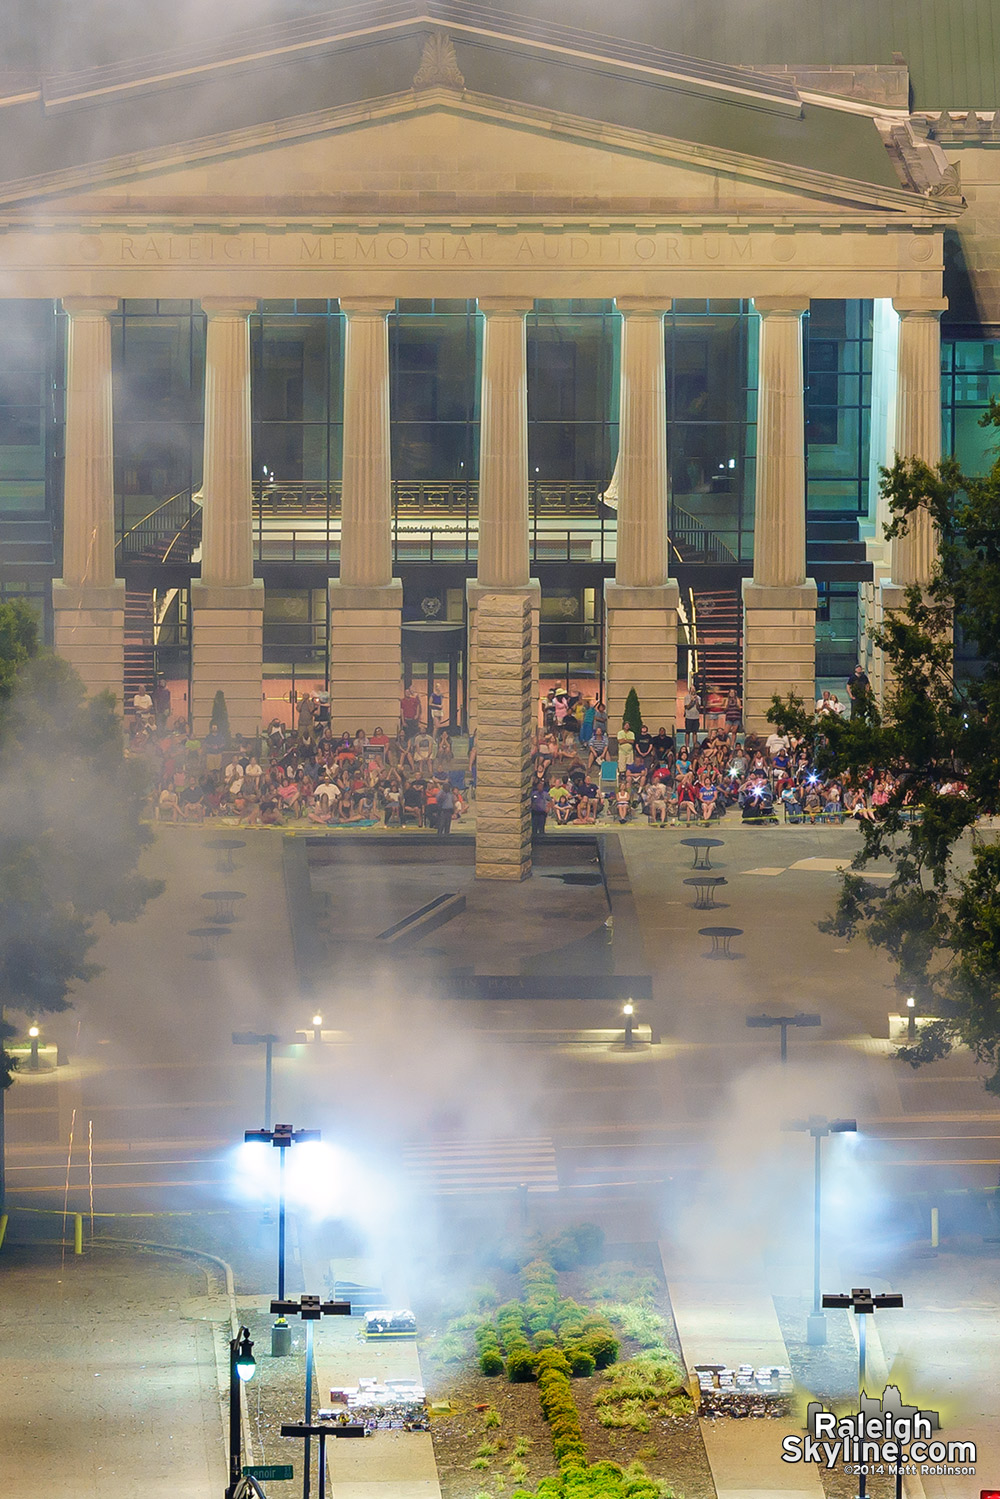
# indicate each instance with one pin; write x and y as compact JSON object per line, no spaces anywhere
{"x":561,"y":1377}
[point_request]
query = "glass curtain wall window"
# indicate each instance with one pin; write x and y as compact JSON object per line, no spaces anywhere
{"x":711,"y":354}
{"x":838,"y":363}
{"x":158,"y":360}
{"x":32,"y":381}
{"x":296,"y":382}
{"x":970,"y":378}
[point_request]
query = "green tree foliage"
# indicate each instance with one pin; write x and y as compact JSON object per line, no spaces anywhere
{"x":938,"y":917}
{"x":632,"y":714}
{"x":70,"y":834}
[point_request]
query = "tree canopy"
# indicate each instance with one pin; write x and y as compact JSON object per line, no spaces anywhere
{"x":938,"y":737}
{"x":70,"y":829}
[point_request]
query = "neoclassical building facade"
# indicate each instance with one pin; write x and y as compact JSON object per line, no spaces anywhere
{"x":310,"y":339}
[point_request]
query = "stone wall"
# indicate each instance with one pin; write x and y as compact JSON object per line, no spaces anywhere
{"x":503,"y":736}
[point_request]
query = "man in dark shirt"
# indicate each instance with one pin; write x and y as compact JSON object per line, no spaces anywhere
{"x":663,"y":743}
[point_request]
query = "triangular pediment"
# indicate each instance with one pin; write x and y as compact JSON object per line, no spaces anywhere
{"x":439,"y":153}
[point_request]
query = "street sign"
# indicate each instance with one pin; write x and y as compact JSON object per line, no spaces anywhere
{"x":275,"y":1472}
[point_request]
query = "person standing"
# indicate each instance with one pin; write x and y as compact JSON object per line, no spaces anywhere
{"x":539,"y":805}
{"x":445,"y":809}
{"x":692,"y":715}
{"x":409,"y":712}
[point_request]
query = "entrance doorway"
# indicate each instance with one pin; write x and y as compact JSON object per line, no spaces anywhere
{"x":434,"y":662}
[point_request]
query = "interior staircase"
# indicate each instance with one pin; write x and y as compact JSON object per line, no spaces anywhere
{"x":718,"y":636}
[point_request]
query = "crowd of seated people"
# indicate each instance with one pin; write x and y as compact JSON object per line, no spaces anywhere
{"x":695,"y":777}
{"x":308,"y":776}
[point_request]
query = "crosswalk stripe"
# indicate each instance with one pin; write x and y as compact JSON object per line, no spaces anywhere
{"x":451,"y":1166}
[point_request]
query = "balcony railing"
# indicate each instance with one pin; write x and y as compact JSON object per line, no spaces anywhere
{"x":433,"y":521}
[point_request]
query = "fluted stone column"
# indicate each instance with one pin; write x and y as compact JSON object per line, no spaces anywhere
{"x":503,"y":565}
{"x":227,"y":603}
{"x":88,"y":601}
{"x":641,"y":604}
{"x":366,"y":601}
{"x":779,"y":603}
{"x":916,"y":433}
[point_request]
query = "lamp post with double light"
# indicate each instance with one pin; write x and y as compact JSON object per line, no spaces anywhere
{"x":282,"y":1137}
{"x":864,"y":1305}
{"x":819,"y":1128}
{"x":310,"y":1309}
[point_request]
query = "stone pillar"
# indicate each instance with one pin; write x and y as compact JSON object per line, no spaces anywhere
{"x":88,"y":601}
{"x":779,"y":603}
{"x":641,"y":604}
{"x":916,"y":433}
{"x":503,"y":564}
{"x":227,"y":603}
{"x":366,"y":601}
{"x":504,"y":736}
{"x":882,"y":446}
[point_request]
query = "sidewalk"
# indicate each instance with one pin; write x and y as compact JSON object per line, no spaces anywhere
{"x":390,"y":1464}
{"x":110,"y":1376}
{"x":734,"y":1320}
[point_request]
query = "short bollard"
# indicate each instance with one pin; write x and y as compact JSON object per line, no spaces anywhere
{"x":281,"y":1338}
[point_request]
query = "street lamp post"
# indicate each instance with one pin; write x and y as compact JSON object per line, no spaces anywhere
{"x":763,"y":1022}
{"x":310,"y":1309}
{"x":241,"y":1368}
{"x":864,"y":1304}
{"x":911,"y":1019}
{"x":268,"y":1041}
{"x":317,"y":1027}
{"x":281,"y":1137}
{"x":628,"y":1011}
{"x":322,"y":1429}
{"x":819,"y":1128}
{"x":33,"y":1035}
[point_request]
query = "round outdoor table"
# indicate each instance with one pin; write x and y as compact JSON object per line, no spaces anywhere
{"x":705,"y":886}
{"x":701,"y":848}
{"x":225,"y":848}
{"x":208,"y":937}
{"x":721,"y":937}
{"x":225,"y":903}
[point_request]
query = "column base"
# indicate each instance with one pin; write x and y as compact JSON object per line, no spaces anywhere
{"x":779,"y":648}
{"x":640,"y":630}
{"x":365,"y":656}
{"x":227,"y":655}
{"x":89,"y":633}
{"x":474,"y":591}
{"x":888,"y":598}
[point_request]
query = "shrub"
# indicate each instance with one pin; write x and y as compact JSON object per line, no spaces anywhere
{"x":518,"y":1471}
{"x":625,"y":1415}
{"x":491,"y":1361}
{"x":522,"y":1446}
{"x":520,"y":1363}
{"x":581,"y":1360}
{"x":544,"y":1338}
{"x":484,"y":1296}
{"x":480,"y":1464}
{"x":559,"y":1409}
{"x":491,"y":1419}
{"x":450,"y":1348}
{"x":602,"y":1346}
{"x":632,"y":713}
{"x":487,"y":1449}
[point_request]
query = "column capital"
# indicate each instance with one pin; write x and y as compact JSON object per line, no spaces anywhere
{"x":367,"y":306}
{"x":229,"y":306}
{"x":781,"y":306}
{"x":90,"y":306}
{"x":651,"y":306}
{"x":512,"y":306}
{"x":931,"y":307}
